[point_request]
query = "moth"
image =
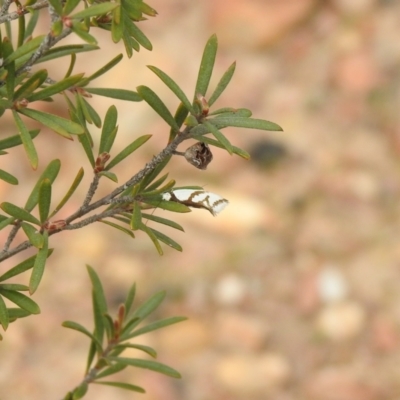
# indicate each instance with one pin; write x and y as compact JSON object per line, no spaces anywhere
{"x":198,"y":155}
{"x":197,"y":199}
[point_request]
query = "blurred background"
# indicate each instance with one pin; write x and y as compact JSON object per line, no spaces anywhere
{"x":293,"y":292}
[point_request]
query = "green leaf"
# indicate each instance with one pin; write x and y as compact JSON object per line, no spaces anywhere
{"x":56,"y":88}
{"x":16,"y":140}
{"x":147,"y":364}
{"x":26,"y":48}
{"x":149,"y":305}
{"x":146,"y":349}
{"x":60,"y":125}
{"x":44,"y":199}
{"x":6,"y":177}
{"x":122,"y":385}
{"x":50,"y":173}
{"x":34,"y":237}
{"x":21,"y":267}
{"x":40,"y":263}
{"x":152,"y":327}
{"x":110,"y":175}
{"x":153,"y":174}
{"x":70,"y":192}
{"x":174,"y":87}
{"x":129,"y":299}
{"x":229,"y":111}
{"x":163,"y":221}
{"x":56,"y":4}
{"x":168,"y":205}
{"x":206,"y":66}
{"x":96,"y":10}
{"x":120,"y":94}
{"x":30,"y":84}
{"x":92,"y":112}
{"x":137,"y":34}
{"x":80,"y":391}
{"x":158,"y":106}
{"x":240,"y":122}
{"x":15,"y":313}
{"x":21,"y":300}
{"x":26,"y":140}
{"x":136,"y":219}
{"x":222,"y":84}
{"x":19,"y":213}
{"x":157,"y":183}
{"x":33,"y":20}
{"x":119,"y":227}
{"x":14,"y":286}
{"x":153,"y":238}
{"x":69,"y":6}
{"x":128,"y":151}
{"x":108,"y":132}
{"x":4,"y":318}
{"x":113,"y":369}
{"x":62,"y":51}
{"x":180,"y":116}
{"x":117,"y":26}
{"x":219,"y":136}
{"x":167,"y":240}
{"x":78,"y":327}
{"x":111,"y":64}
{"x":79,"y":30}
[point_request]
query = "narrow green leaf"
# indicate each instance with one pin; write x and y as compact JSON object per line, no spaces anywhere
{"x":129,"y":44}
{"x":92,"y":113}
{"x":128,"y":150}
{"x":153,"y":326}
{"x":4,"y":318}
{"x":60,"y":125}
{"x":15,"y":313}
{"x":93,"y":348}
{"x":50,"y":173}
{"x":34,"y":237}
{"x":108,"y":132}
{"x":95,"y":10}
{"x":222,"y":84}
{"x":19,"y":213}
{"x":62,"y":51}
{"x":21,"y":300}
{"x":78,"y":327}
{"x":70,"y":192}
{"x":236,"y":150}
{"x":137,"y":34}
{"x":158,"y":106}
{"x":219,"y":136}
{"x":56,"y":88}
{"x":120,"y":94}
{"x":113,"y":369}
{"x":151,"y":304}
{"x":69,"y":6}
{"x":206,"y":66}
{"x":30,"y":84}
{"x":44,"y":200}
{"x":33,"y":20}
{"x":168,"y":205}
{"x":153,"y":238}
{"x":97,"y":289}
{"x":56,"y":4}
{"x":122,"y":385}
{"x":167,"y":240}
{"x":40,"y":263}
{"x":16,"y":140}
{"x":174,"y":87}
{"x":21,"y":30}
{"x":163,"y":221}
{"x":79,"y":31}
{"x":26,"y":48}
{"x":80,"y":391}
{"x":26,"y":140}
{"x":240,"y":122}
{"x":81,"y":106}
{"x":119,"y":227}
{"x":148,"y":364}
{"x":229,"y":111}
{"x":6,"y":177}
{"x":129,"y":299}
{"x":21,"y":267}
{"x":153,"y":174}
{"x":105,"y":68}
{"x":8,"y":51}
{"x":180,"y":116}
{"x":110,"y":175}
{"x":14,"y":286}
{"x":146,"y":349}
{"x":136,"y":219}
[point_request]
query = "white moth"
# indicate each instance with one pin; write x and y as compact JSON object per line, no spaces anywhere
{"x":197,"y":199}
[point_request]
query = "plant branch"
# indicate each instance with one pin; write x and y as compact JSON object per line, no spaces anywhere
{"x":16,"y":14}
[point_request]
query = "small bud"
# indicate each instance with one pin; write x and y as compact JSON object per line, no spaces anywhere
{"x":203,"y":104}
{"x":55,"y":225}
{"x":101,"y":162}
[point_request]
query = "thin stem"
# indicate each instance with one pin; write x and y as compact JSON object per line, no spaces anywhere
{"x":16,"y":14}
